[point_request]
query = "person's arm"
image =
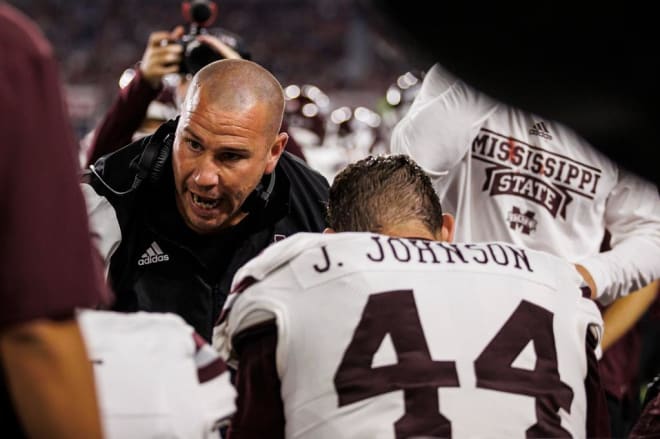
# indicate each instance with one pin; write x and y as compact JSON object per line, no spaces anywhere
{"x":624,"y":312}
{"x":437,"y":130}
{"x":219,"y":46}
{"x":130,"y":107}
{"x":259,"y":406}
{"x":50,"y":379}
{"x":104,"y":230}
{"x":47,"y":266}
{"x":632,"y":216}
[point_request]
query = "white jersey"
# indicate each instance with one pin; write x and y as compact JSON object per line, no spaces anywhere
{"x":512,"y":176}
{"x":154,"y":377}
{"x":382,"y":337}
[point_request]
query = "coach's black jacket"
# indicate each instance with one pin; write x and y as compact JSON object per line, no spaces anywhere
{"x":161,"y":265}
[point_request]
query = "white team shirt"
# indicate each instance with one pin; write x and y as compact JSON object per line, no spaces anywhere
{"x":349,"y":306}
{"x":512,"y":176}
{"x":153,"y":378}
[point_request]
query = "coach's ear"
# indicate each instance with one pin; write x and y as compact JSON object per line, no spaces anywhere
{"x":447,"y":231}
{"x":329,"y":230}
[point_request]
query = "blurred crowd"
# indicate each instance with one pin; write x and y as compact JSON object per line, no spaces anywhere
{"x":320,"y":42}
{"x":149,"y":123}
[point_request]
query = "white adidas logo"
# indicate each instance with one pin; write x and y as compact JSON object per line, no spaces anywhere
{"x":153,"y":254}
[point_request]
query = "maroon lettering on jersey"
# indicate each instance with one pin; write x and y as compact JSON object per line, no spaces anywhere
{"x":493,"y":368}
{"x":419,"y":376}
{"x":536,"y":174}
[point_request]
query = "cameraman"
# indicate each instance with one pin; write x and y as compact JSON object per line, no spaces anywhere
{"x":130,"y":113}
{"x":145,"y":102}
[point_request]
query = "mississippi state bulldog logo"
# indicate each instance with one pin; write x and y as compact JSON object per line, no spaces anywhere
{"x":544,"y":177}
{"x":524,"y":222}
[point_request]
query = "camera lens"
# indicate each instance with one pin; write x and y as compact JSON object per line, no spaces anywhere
{"x":198,"y":55}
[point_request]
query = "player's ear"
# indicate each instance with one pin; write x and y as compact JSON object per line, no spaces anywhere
{"x":447,"y":231}
{"x":329,"y":230}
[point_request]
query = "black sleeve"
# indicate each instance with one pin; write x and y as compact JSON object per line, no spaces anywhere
{"x":598,"y":419}
{"x":259,"y":407}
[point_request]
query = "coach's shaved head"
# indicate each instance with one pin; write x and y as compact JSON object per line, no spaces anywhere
{"x":236,"y":85}
{"x":228,"y":137}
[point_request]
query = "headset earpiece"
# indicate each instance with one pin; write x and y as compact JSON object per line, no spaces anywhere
{"x":258,"y":199}
{"x":152,"y":162}
{"x":161,"y":159}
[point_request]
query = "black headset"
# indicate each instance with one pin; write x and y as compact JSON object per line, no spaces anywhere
{"x":153,"y":159}
{"x":259,"y":197}
{"x":151,"y":164}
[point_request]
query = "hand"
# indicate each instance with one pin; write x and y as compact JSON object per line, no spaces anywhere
{"x":219,"y":46}
{"x":586,"y":276}
{"x":161,"y":56}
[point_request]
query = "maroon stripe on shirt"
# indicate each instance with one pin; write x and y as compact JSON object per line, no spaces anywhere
{"x":238,"y":289}
{"x":211,"y":370}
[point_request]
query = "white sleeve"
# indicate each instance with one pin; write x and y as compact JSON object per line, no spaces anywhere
{"x":632,"y":216}
{"x":438,"y":128}
{"x":103,"y":224}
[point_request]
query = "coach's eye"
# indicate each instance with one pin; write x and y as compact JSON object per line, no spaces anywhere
{"x":230,"y":156}
{"x":193,"y":144}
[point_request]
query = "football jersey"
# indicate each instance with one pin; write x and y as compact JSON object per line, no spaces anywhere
{"x":155,"y":377}
{"x":508,"y":175}
{"x":382,"y":337}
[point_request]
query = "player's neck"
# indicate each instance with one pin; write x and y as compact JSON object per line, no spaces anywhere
{"x":411,"y":229}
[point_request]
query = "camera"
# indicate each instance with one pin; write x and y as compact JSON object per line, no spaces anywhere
{"x":199,"y":14}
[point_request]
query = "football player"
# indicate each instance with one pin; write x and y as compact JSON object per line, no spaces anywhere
{"x":394,"y":332}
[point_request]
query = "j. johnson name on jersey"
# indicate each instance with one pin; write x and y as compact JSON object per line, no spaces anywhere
{"x":533,"y":173}
{"x":390,"y":249}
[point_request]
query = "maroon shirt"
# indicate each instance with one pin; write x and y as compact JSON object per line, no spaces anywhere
{"x":47,"y":266}
{"x":619,"y":366}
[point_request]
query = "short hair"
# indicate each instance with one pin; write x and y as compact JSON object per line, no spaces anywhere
{"x":238,"y":84}
{"x":379,"y":192}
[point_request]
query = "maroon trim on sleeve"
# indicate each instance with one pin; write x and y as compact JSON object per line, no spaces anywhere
{"x":123,"y":118}
{"x":212,"y":370}
{"x":259,"y":406}
{"x":209,"y":364}
{"x":243,"y":285}
{"x":598,"y":419}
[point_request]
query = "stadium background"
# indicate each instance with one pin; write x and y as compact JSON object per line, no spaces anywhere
{"x":320,"y":42}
